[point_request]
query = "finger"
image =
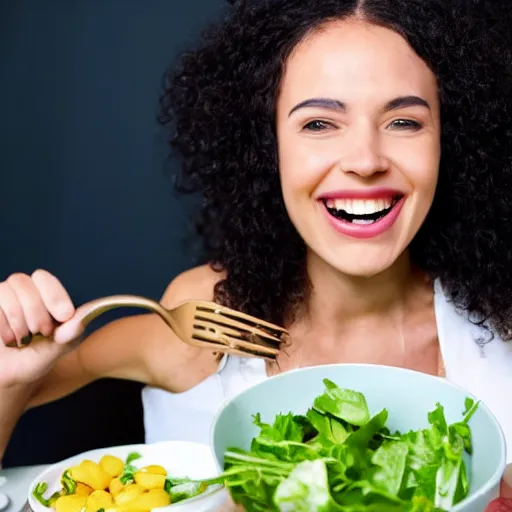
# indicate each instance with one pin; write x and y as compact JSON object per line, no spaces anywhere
{"x":36,"y":315}
{"x":54,"y":295}
{"x":69,"y":331}
{"x":13,"y":311}
{"x":6,"y":334}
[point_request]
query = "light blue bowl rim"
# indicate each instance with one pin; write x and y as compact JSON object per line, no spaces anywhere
{"x":484,"y":489}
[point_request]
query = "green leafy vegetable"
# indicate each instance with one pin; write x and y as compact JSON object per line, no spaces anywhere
{"x":339,"y":458}
{"x":306,"y":489}
{"x":186,"y":490}
{"x":180,"y":489}
{"x":39,"y":491}
{"x":344,"y":404}
{"x":128,"y":474}
{"x":132,"y":456}
{"x":68,"y":484}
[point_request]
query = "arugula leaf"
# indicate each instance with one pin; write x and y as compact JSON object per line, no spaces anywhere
{"x":128,"y":474}
{"x":306,"y":489}
{"x":68,"y":483}
{"x":183,"y":488}
{"x":462,"y":428}
{"x":131,"y":457}
{"x":129,"y":470}
{"x":470,"y":407}
{"x":283,"y":439}
{"x":391,"y":460}
{"x":39,"y":492}
{"x":345,"y":404}
{"x":285,"y":427}
{"x":329,"y":429}
{"x":451,"y":483}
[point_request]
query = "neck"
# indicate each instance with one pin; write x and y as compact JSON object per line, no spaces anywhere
{"x":334,"y":296}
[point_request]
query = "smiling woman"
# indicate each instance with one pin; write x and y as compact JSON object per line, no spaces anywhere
{"x":355,"y":160}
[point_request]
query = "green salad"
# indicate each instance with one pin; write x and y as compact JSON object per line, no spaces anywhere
{"x":337,"y":457}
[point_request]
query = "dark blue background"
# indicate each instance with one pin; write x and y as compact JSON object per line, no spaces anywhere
{"x":85,"y":191}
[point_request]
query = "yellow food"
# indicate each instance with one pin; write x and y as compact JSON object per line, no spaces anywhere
{"x":112,"y":465}
{"x":149,"y":481}
{"x":82,"y":489}
{"x":148,"y":501}
{"x":70,"y":503}
{"x":99,"y":487}
{"x":98,"y":500}
{"x":91,"y":474}
{"x":129,"y":493}
{"x":154,"y":469}
{"x":116,"y":486}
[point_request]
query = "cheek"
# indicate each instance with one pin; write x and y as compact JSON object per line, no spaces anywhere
{"x":420,"y":165}
{"x":303,"y":167}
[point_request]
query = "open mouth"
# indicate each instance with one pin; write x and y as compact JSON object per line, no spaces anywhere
{"x":361,"y":211}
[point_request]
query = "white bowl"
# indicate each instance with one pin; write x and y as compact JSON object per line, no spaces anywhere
{"x":179,"y":458}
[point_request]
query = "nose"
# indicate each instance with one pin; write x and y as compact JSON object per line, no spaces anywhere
{"x":362,"y":154}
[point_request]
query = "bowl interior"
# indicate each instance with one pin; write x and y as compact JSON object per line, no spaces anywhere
{"x":407,"y":395}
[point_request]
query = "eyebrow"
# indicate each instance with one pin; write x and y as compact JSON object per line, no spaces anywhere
{"x":332,"y":104}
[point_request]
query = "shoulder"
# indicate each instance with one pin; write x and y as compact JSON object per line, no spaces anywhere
{"x":176,"y":366}
{"x":197,"y":283}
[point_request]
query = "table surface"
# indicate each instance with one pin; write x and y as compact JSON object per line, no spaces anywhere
{"x":16,"y":485}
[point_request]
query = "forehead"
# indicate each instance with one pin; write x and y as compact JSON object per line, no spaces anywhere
{"x":353,"y":60}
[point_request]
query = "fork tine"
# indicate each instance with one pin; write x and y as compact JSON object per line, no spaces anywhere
{"x":222,"y":319}
{"x":228,"y":344}
{"x":245,"y":352}
{"x":254,"y":336}
{"x":233,"y":327}
{"x":213,"y":308}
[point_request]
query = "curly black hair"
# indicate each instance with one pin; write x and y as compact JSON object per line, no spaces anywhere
{"x":219,"y":102}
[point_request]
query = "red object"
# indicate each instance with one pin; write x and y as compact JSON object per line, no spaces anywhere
{"x":500,"y":505}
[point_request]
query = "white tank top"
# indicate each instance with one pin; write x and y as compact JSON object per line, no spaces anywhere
{"x":483,"y":369}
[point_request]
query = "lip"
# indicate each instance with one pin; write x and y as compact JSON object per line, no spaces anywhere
{"x":368,"y":193}
{"x":365,"y":231}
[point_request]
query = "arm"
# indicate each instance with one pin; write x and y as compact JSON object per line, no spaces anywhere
{"x":140,"y":348}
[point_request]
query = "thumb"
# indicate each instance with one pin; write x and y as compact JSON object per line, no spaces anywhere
{"x":74,"y":327}
{"x":69,"y":331}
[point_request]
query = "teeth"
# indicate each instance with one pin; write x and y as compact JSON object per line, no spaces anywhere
{"x":360,"y":206}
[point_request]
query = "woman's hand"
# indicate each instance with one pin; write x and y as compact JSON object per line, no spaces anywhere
{"x":33,"y":305}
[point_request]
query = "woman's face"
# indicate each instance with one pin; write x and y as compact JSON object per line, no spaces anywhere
{"x":358,"y":129}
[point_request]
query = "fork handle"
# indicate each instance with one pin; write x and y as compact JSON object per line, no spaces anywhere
{"x":89,"y":311}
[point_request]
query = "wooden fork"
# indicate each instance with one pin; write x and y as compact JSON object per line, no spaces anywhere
{"x":200,"y":323}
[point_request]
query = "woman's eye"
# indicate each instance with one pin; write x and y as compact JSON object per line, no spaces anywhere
{"x":405,"y":124}
{"x":317,"y":126}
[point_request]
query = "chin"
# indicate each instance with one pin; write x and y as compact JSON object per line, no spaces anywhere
{"x":361,"y":270}
{"x":366,"y":263}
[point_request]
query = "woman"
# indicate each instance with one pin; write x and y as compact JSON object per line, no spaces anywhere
{"x":354,"y":158}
